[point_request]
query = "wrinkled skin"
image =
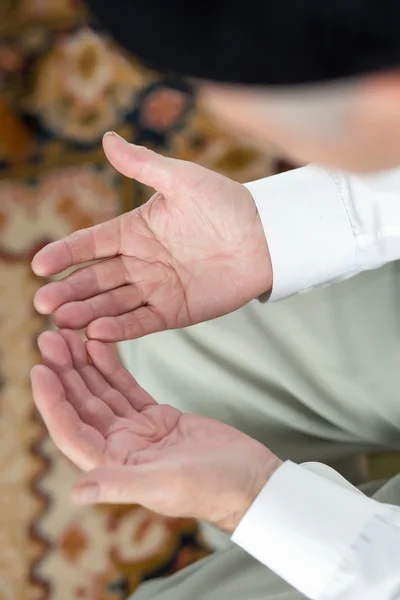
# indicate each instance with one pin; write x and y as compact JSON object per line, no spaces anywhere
{"x":195,"y":251}
{"x":136,"y":451}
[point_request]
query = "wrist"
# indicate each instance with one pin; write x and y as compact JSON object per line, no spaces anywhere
{"x":265,"y":272}
{"x":265,"y":465}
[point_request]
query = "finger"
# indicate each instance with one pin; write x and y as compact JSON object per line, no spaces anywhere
{"x":77,"y":349}
{"x":83,"y":445}
{"x":135,"y":324}
{"x":94,"y":380}
{"x":147,"y":485}
{"x":57,"y":356}
{"x":146,"y":166}
{"x":108,"y":363}
{"x":77,"y":315}
{"x":100,"y":241}
{"x":82,"y":284}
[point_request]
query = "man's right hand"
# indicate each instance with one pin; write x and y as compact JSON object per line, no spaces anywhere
{"x":195,"y":251}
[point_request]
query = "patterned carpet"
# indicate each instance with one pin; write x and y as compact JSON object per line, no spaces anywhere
{"x":62,"y":85}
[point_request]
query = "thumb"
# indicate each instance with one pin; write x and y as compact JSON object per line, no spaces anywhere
{"x":146,"y":485}
{"x":137,"y":162}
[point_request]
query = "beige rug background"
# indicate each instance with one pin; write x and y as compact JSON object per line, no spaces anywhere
{"x":62,"y":85}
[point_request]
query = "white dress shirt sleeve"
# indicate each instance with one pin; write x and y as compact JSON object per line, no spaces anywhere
{"x":323,"y":536}
{"x":323,"y":226}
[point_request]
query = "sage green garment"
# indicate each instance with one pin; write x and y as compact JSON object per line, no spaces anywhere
{"x":315,"y":377}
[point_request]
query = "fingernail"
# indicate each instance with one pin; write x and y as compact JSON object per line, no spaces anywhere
{"x":87,"y":493}
{"x":116,"y":135}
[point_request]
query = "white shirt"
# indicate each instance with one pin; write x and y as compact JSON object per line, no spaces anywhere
{"x":308,"y":524}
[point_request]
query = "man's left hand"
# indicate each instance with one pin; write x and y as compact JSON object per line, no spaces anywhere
{"x":137,"y":451}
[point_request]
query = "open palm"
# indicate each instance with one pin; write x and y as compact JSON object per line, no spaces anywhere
{"x":139,"y":451}
{"x":196,"y":250}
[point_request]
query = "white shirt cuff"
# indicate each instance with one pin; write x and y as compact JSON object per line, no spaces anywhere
{"x":307,"y":227}
{"x":302,"y":524}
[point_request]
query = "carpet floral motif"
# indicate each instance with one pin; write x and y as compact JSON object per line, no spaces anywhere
{"x":63,"y":84}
